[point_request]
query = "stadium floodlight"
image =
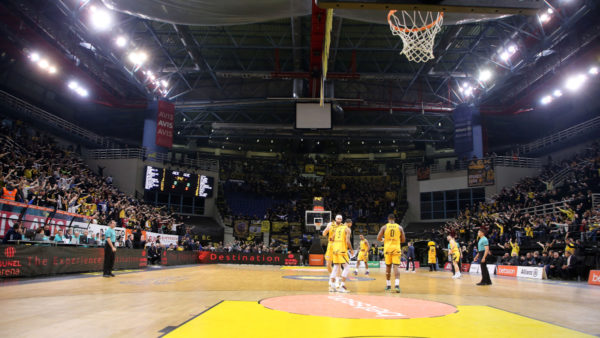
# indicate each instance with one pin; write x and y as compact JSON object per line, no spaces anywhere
{"x":546,"y":99}
{"x":138,"y":57}
{"x":100,"y":18}
{"x":505,"y":56}
{"x":460,"y":89}
{"x":557,"y":93}
{"x":164,"y":83}
{"x":575,"y":82}
{"x":43,"y":64}
{"x":73,"y":85}
{"x":469,"y":91}
{"x":512,"y":49}
{"x":121,"y":41}
{"x":318,"y":142}
{"x":465,"y":84}
{"x":81,"y":91}
{"x":35,"y":57}
{"x":593,"y":70}
{"x":485,"y":75}
{"x":550,"y":11}
{"x":544,"y":17}
{"x":52,"y":70}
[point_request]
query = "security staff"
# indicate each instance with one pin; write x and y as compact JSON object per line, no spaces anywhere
{"x":110,"y":247}
{"x":9,"y":192}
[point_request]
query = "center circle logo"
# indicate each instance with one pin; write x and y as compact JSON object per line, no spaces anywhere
{"x":358,"y":306}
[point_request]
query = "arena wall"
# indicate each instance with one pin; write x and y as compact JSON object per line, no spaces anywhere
{"x":505,"y":177}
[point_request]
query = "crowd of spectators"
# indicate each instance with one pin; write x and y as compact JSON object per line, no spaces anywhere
{"x":36,"y":170}
{"x":362,"y":190}
{"x":554,"y":241}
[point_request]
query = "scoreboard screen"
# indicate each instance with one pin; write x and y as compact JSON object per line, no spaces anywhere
{"x":178,"y":182}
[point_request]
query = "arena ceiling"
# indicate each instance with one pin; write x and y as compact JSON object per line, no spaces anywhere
{"x":254,"y":73}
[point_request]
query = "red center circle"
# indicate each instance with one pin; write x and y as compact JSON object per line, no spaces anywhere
{"x":358,"y":306}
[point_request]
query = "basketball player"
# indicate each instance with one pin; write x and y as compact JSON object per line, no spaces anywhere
{"x":454,"y":251}
{"x":341,"y":247}
{"x":363,"y":255}
{"x":392,"y":235}
{"x":330,"y":232}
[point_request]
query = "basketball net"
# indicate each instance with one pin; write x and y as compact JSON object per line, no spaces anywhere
{"x":417,"y":31}
{"x":318,"y":225}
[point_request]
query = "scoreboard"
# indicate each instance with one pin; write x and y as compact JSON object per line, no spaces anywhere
{"x":178,"y":182}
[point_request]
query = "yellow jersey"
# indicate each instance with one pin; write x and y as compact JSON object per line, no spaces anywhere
{"x":340,"y":244}
{"x":515,"y":249}
{"x":331,"y":233}
{"x":391,"y":237}
{"x":364,"y":246}
{"x":454,"y":248}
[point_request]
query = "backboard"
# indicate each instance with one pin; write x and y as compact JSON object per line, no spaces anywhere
{"x":316,"y":220}
{"x":526,"y":7}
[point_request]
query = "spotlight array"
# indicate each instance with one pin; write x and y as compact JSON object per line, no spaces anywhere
{"x":573,"y":83}
{"x":102,"y":19}
{"x":43,"y":63}
{"x":77,"y":88}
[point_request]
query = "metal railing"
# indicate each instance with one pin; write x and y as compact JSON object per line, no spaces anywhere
{"x":561,"y":136}
{"x":498,"y":161}
{"x":36,"y":113}
{"x":562,"y":175}
{"x":545,"y":209}
{"x":595,"y":201}
{"x":145,"y":155}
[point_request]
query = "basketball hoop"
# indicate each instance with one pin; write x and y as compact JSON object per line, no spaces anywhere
{"x":417,"y":31}
{"x":318,"y":225}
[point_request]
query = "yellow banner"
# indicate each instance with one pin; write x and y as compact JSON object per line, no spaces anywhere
{"x":265,"y":226}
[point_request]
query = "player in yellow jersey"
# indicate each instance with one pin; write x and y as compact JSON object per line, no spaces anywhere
{"x":392,"y":235}
{"x":341,"y":248}
{"x":454,"y":254}
{"x":330,"y":232}
{"x":363,"y":255}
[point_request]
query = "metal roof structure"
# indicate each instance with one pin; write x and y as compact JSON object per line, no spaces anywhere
{"x":255,"y":73}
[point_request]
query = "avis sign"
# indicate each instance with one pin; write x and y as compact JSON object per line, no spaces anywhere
{"x":164,"y":124}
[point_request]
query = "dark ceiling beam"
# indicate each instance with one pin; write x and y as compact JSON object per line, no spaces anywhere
{"x":166,"y":53}
{"x":193,"y":48}
{"x":474,"y":45}
{"x":449,"y":39}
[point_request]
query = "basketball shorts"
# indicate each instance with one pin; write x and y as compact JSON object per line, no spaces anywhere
{"x":456,"y":258}
{"x":329,"y":253}
{"x":363,"y":256}
{"x":392,"y":256}
{"x":340,"y":257}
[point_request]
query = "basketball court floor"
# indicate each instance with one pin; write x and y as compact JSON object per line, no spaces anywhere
{"x":273,"y":301}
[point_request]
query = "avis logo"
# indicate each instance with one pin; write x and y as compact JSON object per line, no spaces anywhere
{"x":10,"y":252}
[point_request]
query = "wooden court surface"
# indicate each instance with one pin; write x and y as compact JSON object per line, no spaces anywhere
{"x":222,"y":300}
